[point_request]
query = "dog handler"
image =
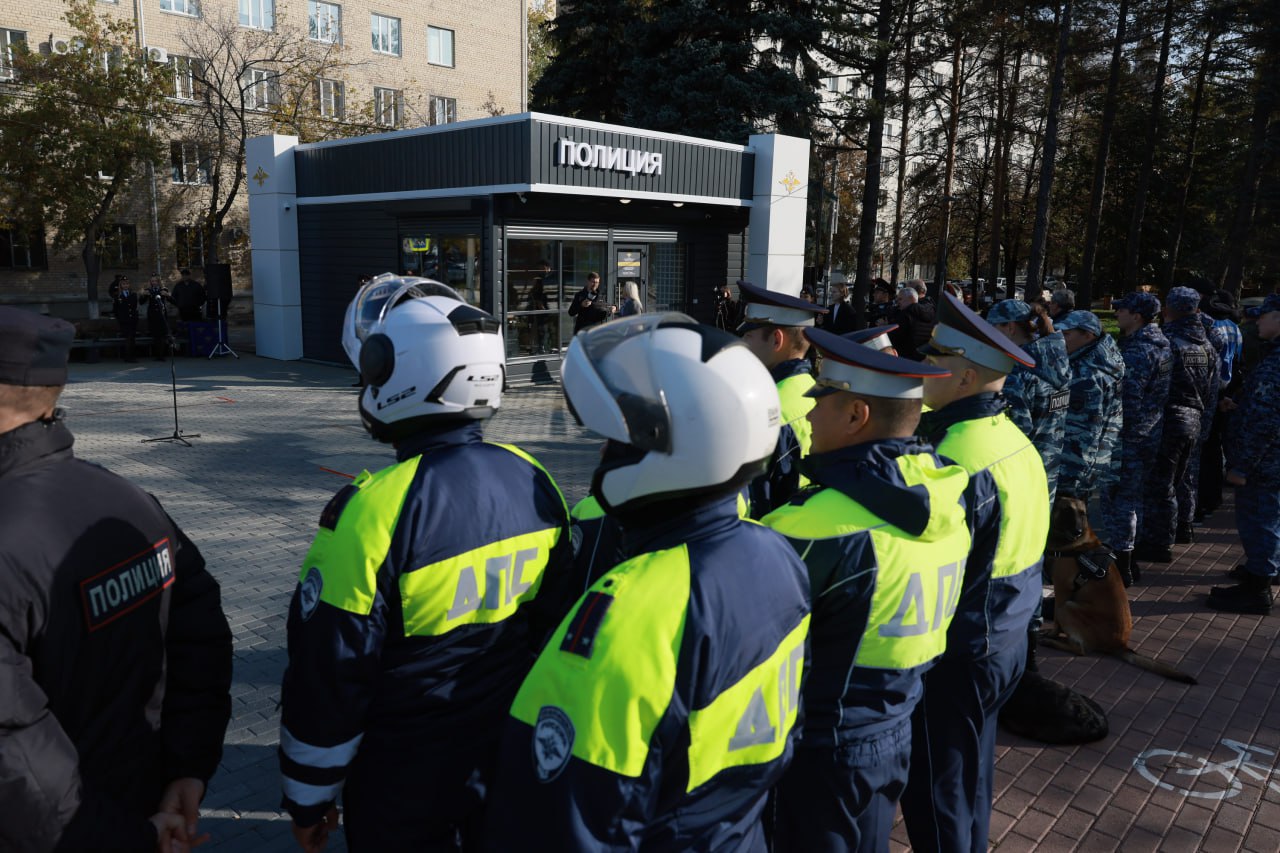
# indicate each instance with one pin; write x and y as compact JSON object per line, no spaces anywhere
{"x":883,"y":534}
{"x":947,"y":804}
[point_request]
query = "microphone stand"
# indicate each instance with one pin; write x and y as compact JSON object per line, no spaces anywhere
{"x":221,"y":348}
{"x":178,"y":435}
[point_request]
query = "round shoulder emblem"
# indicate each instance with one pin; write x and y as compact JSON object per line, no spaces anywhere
{"x":552,"y":742}
{"x":309,"y":593}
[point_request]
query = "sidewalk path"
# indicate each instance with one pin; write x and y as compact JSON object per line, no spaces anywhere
{"x":276,"y":439}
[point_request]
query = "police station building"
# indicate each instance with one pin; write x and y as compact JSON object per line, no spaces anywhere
{"x":513,"y":212}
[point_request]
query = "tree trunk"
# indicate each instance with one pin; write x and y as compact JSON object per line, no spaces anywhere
{"x":1189,"y":159}
{"x":1264,"y":105}
{"x":999,"y":166}
{"x":1044,"y":193}
{"x":908,"y":71}
{"x":949,"y":170}
{"x":875,"y":149}
{"x":1133,"y":245}
{"x":1004,"y":151}
{"x":92,"y":265}
{"x":1084,"y":285}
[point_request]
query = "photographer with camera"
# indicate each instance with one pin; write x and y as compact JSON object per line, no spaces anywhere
{"x":588,"y":308}
{"x":728,"y":309}
{"x":157,"y":317}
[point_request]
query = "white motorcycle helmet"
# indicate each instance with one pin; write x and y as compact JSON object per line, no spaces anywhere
{"x":427,"y":358}
{"x":688,"y":408}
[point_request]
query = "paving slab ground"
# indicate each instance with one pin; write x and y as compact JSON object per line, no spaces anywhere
{"x":1185,"y":767}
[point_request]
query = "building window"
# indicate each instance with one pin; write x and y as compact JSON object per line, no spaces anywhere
{"x":10,"y":42}
{"x":186,"y":77}
{"x":261,"y":89}
{"x":440,"y":46}
{"x":182,"y":7}
{"x":118,"y":247}
{"x":259,"y":14}
{"x":324,"y":21}
{"x":388,"y":107}
{"x":386,"y":35}
{"x":879,"y":229}
{"x":443,"y":110}
{"x":329,"y":99}
{"x":21,"y":249}
{"x":189,"y":242}
{"x":190,"y":163}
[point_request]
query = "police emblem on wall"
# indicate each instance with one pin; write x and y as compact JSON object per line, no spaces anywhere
{"x":552,"y":742}
{"x":309,"y":593}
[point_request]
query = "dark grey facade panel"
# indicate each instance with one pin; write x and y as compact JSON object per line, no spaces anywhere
{"x":337,"y":245}
{"x":488,"y":155}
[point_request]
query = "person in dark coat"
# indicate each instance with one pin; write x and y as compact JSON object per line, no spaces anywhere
{"x":115,"y":655}
{"x":189,"y":296}
{"x":915,"y":321}
{"x":587,"y":308}
{"x":157,"y":317}
{"x":840,"y":318}
{"x":124,"y":305}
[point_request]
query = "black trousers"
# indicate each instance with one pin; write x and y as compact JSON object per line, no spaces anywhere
{"x":1211,"y":466}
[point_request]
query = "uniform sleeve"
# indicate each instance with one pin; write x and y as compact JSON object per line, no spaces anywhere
{"x":1256,"y":433}
{"x":777,"y":485}
{"x":1080,"y":443}
{"x":43,"y":805}
{"x":1139,"y":365}
{"x":197,"y":700}
{"x":1015,"y":392}
{"x":335,"y":640}
{"x":563,"y":579}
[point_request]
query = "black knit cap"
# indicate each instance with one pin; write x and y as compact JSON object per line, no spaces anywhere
{"x":33,"y":348}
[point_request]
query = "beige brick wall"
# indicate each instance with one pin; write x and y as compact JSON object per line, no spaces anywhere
{"x":488,"y":66}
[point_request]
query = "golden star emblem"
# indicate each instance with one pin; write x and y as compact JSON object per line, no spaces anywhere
{"x":260,"y":176}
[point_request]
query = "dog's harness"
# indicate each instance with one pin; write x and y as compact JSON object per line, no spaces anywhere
{"x":1093,"y":564}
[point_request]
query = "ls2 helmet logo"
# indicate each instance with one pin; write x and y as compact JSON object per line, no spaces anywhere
{"x":552,"y":742}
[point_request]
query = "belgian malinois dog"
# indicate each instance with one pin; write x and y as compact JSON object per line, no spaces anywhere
{"x":1091,"y":609}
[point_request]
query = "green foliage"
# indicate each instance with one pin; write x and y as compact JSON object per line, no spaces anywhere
{"x":713,"y":68}
{"x":540,"y":48}
{"x":76,"y":127}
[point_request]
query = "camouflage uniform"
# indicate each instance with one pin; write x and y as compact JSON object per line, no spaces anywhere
{"x":1038,"y":397}
{"x":1188,"y":489}
{"x":1148,"y":362}
{"x":1193,"y":391}
{"x":1093,"y":420}
{"x":1253,"y":450}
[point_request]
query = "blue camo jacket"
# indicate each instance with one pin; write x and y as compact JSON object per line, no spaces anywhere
{"x":1038,"y":398}
{"x":1093,"y":418}
{"x":1148,"y":365}
{"x":1253,"y":437}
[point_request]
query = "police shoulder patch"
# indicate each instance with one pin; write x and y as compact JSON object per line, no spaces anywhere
{"x":309,"y":593}
{"x":552,"y":742}
{"x":333,"y":509}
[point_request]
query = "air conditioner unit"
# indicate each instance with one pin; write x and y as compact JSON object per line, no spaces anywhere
{"x":157,"y":54}
{"x":60,"y":46}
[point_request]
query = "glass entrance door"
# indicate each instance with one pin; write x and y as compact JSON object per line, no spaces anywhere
{"x":631,"y":267}
{"x":543,"y":276}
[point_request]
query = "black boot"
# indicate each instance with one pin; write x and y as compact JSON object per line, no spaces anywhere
{"x":1252,"y":595}
{"x":1185,"y":535}
{"x":1239,"y":573}
{"x":1153,"y":553}
{"x":1124,"y":562}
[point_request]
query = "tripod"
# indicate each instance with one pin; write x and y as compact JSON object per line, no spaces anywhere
{"x":221,"y":347}
{"x":178,"y":435}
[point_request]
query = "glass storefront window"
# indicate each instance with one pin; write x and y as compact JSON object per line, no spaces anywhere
{"x":450,"y":258}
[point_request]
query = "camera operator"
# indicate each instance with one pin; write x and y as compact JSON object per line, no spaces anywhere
{"x":155,"y":298}
{"x":728,"y":309}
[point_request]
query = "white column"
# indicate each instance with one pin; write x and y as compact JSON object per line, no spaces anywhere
{"x":780,"y":195}
{"x":273,"y":230}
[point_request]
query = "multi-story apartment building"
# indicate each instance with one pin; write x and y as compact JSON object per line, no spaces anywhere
{"x":399,"y":63}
